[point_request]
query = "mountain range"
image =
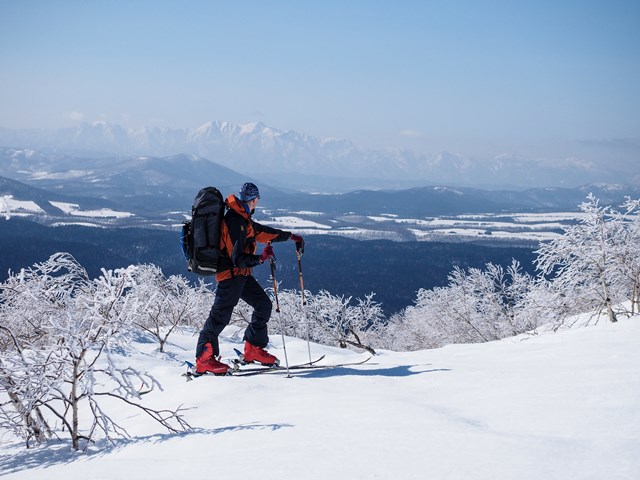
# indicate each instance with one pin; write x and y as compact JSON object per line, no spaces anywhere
{"x":289,"y":159}
{"x":160,"y":190}
{"x":147,"y":185}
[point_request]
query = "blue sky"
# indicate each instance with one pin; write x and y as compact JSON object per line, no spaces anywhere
{"x":545,"y":79}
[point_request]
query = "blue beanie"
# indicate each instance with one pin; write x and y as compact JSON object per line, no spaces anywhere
{"x":248,"y":192}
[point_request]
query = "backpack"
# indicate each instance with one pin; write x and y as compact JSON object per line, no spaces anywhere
{"x":200,"y":237}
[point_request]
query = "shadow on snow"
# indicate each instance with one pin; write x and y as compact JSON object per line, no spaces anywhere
{"x":399,"y":371}
{"x":59,"y":452}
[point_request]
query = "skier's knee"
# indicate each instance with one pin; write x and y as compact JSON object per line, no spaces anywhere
{"x":263,"y":309}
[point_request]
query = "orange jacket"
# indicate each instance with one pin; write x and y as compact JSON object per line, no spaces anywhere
{"x":238,"y":238}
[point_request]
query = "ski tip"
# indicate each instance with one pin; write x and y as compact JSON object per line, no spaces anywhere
{"x":240,"y":357}
{"x":189,"y":364}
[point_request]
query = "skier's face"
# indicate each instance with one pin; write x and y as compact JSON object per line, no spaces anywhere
{"x":252,"y":204}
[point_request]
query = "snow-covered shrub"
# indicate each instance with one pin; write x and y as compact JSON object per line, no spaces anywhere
{"x":167,"y":303}
{"x":57,"y":338}
{"x":476,"y":306}
{"x":327,"y":319}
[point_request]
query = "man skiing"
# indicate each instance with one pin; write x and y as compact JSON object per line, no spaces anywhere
{"x":239,"y":234}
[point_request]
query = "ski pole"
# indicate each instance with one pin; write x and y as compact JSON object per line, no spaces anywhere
{"x":304,"y":299}
{"x":272,"y":264}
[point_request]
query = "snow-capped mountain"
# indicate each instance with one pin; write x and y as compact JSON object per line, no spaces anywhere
{"x":300,"y":160}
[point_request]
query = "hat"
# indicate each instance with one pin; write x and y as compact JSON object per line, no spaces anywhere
{"x":248,"y":192}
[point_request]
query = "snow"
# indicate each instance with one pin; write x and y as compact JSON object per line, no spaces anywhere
{"x":522,"y":227}
{"x":74,"y":209}
{"x":66,"y":207}
{"x":549,"y":216}
{"x":65,"y":175}
{"x":470,"y":232}
{"x":547,"y":406}
{"x":380,"y":218}
{"x":80,"y":224}
{"x":309,"y":212}
{"x":10,"y":205}
{"x":294,"y":222}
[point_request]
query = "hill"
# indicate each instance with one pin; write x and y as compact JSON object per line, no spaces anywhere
{"x":553,"y":406}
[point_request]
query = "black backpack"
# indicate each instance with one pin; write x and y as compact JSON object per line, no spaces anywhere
{"x":200,"y":236}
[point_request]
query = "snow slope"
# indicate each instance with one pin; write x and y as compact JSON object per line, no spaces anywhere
{"x":560,"y":405}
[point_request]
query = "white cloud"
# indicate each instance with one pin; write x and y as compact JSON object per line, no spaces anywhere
{"x":76,"y":116}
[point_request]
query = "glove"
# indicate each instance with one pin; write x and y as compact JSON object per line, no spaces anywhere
{"x":299,"y":242}
{"x":266,"y":254}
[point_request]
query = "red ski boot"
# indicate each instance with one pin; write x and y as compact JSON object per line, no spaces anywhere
{"x":259,"y":355}
{"x":207,"y":362}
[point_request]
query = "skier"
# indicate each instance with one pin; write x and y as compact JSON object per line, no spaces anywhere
{"x":239,"y":234}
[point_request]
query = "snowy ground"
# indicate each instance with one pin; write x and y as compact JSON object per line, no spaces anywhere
{"x":551,"y":406}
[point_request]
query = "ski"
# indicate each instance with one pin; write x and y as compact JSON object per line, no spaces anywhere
{"x":305,"y":367}
{"x":236,"y":366}
{"x":240,"y":361}
{"x":238,"y":371}
{"x":239,"y":367}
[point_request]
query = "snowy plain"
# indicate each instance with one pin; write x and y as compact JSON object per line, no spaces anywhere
{"x":522,"y":227}
{"x":563,"y":405}
{"x":74,"y":209}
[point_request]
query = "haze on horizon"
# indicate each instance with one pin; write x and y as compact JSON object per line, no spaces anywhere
{"x":545,"y":80}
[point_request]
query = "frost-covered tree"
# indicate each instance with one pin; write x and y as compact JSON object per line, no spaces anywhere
{"x":366,"y":322}
{"x":292,"y":317}
{"x":21,"y":412}
{"x":335,"y":321}
{"x":167,"y":303}
{"x":410,"y":330}
{"x":627,"y":254}
{"x":476,"y":306}
{"x":585,"y":259}
{"x":59,"y":332}
{"x":328,"y":319}
{"x":547,"y":302}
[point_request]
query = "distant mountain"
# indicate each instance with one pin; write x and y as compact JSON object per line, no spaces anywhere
{"x":150,"y":184}
{"x":295,"y":160}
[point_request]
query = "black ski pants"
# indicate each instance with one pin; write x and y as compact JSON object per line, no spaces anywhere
{"x":228,"y":294}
